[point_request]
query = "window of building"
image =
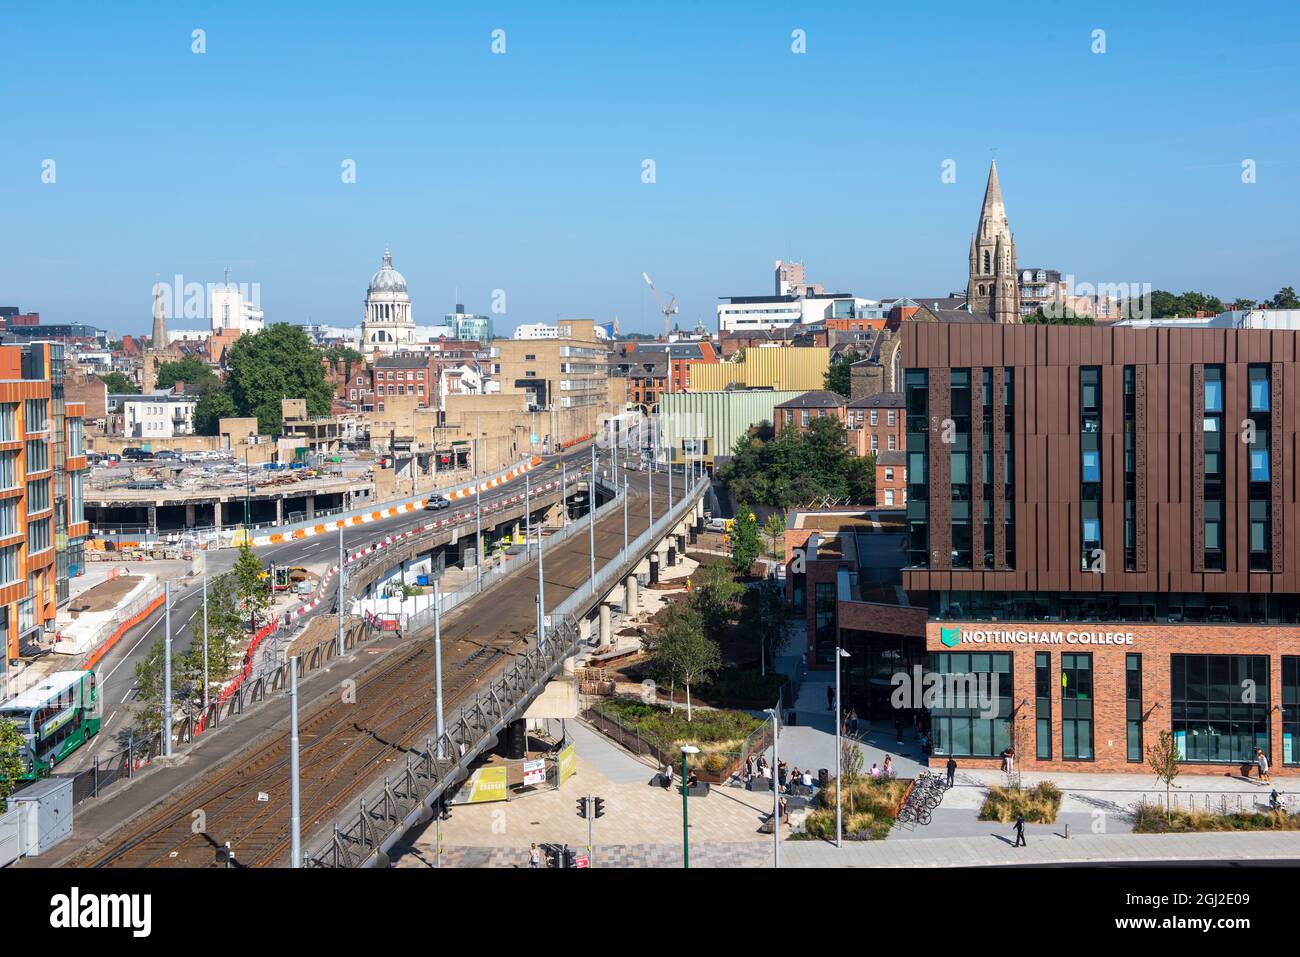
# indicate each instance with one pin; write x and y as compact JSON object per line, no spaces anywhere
{"x":962,"y":540}
{"x":1009,"y":469}
{"x":1090,"y":472}
{"x":1043,"y":705}
{"x":9,"y":517}
{"x":1290,"y":709}
{"x":38,"y":415}
{"x":8,"y":421}
{"x":1220,"y":707}
{"x":1259,"y":487}
{"x":38,"y":536}
{"x":38,"y":455}
{"x":1130,"y":468}
{"x":975,"y":693}
{"x":889,"y":496}
{"x":917,"y":398}
{"x":824,"y":611}
{"x":1213,"y":484}
{"x":1076,"y":707}
{"x":875,"y":417}
{"x":891,"y":418}
{"x":891,"y":443}
{"x":38,"y":495}
{"x":1133,"y":705}
{"x":9,"y":564}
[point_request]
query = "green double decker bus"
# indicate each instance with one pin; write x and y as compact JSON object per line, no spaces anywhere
{"x":56,"y":717}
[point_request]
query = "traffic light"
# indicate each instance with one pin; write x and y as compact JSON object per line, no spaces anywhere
{"x":599,"y":806}
{"x":582,"y":808}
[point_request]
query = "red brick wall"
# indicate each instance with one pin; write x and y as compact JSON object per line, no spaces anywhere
{"x":1155,"y":643}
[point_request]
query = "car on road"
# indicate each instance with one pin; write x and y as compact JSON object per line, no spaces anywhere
{"x":437,"y":503}
{"x":134,"y":454}
{"x":718,"y":525}
{"x":167,"y":455}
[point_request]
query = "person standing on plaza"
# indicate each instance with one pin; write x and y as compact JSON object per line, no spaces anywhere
{"x":952,"y":771}
{"x":830,"y":698}
{"x":1262,"y":761}
{"x":534,"y":857}
{"x":1020,"y":831}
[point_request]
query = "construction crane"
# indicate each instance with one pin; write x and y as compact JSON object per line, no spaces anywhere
{"x":669,"y":308}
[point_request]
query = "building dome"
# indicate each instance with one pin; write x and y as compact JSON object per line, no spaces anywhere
{"x":387,"y":279}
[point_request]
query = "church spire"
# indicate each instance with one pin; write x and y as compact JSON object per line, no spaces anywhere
{"x":991,"y":289}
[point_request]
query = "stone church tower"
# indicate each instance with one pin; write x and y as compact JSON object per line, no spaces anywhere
{"x":991,"y":289}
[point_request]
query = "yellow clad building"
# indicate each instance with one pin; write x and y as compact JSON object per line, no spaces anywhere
{"x":782,"y":368}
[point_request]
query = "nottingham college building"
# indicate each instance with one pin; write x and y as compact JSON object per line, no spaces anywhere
{"x":1102,"y":523}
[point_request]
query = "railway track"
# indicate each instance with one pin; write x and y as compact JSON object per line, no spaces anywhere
{"x":344,"y":746}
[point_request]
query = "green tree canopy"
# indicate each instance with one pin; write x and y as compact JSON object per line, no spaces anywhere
{"x":277,"y":363}
{"x":839,"y":375}
{"x":1165,"y":304}
{"x":118,"y":383}
{"x":211,"y":409}
{"x":792,"y":468}
{"x":1285,"y":299}
{"x":1063,"y":316}
{"x":746,"y":545}
{"x":193,"y":371}
{"x":683,"y":651}
{"x":714,"y":595}
{"x":11,"y":744}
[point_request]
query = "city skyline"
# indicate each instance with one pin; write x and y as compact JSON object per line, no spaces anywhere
{"x":528,"y":178}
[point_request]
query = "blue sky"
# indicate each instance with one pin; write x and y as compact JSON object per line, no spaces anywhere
{"x":522,"y":171}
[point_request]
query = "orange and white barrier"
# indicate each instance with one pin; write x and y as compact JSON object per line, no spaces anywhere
{"x":379,"y":514}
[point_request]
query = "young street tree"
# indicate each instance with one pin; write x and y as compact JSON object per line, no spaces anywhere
{"x":253,"y":589}
{"x":1164,"y":761}
{"x":684,"y":651}
{"x":764,"y":619}
{"x":745,"y":543}
{"x":774,"y":529}
{"x":11,"y":765}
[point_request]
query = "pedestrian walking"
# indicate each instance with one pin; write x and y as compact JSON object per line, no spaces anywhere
{"x":888,"y":770}
{"x":952,"y":771}
{"x":1020,"y":832}
{"x":830,"y":698}
{"x":534,"y":857}
{"x":1262,"y":761}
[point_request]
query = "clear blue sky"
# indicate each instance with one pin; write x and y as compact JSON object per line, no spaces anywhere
{"x":523,"y":171}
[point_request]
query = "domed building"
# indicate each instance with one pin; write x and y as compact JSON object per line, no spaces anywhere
{"x":387,"y":325}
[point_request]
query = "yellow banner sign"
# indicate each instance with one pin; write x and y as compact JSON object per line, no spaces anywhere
{"x":567,"y":761}
{"x":488,"y":784}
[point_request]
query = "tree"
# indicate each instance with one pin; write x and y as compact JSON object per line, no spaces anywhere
{"x":714,"y":598}
{"x":211,"y":409}
{"x":253,"y":589}
{"x":148,"y":704}
{"x":764,"y":618}
{"x":118,"y":383}
{"x":1285,"y":299}
{"x":745,"y":543}
{"x":12,"y":744}
{"x":193,"y":371}
{"x":684,"y":651}
{"x":1243,"y":305}
{"x":793,"y":468}
{"x":774,"y":529}
{"x":1165,"y":304}
{"x":1059,"y":316}
{"x":1164,"y":760}
{"x":839,"y":375}
{"x":277,"y":363}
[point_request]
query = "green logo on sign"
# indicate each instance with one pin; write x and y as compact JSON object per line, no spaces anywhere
{"x":951,"y":637}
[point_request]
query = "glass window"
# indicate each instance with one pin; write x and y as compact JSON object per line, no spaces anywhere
{"x":1213,"y":388}
{"x":1220,"y":707}
{"x":1133,"y":706}
{"x":975,"y":694}
{"x":1076,"y":707}
{"x":1092,"y":466}
{"x":1259,"y":388}
{"x":1259,"y":465}
{"x":1043,"y":705}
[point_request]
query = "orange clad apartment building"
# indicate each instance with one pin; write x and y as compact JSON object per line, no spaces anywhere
{"x":42,"y":512}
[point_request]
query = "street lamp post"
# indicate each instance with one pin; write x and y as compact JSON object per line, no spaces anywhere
{"x":541,"y":594}
{"x":437,"y":662}
{"x":528,"y":515}
{"x":687,"y":749}
{"x":478,"y":536}
{"x":205,"y":634}
{"x":295,"y":808}
{"x":776,"y":785}
{"x":625,"y":518}
{"x":591,"y":513}
{"x":839,"y":726}
{"x":342,"y":573}
{"x":167,"y":670}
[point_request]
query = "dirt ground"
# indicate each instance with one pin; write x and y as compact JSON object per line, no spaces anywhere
{"x":106,"y":595}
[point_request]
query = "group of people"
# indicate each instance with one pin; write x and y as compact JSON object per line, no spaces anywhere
{"x":887,"y":771}
{"x":667,"y":775}
{"x":756,"y":766}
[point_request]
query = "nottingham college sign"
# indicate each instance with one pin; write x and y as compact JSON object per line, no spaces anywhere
{"x":952,"y":637}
